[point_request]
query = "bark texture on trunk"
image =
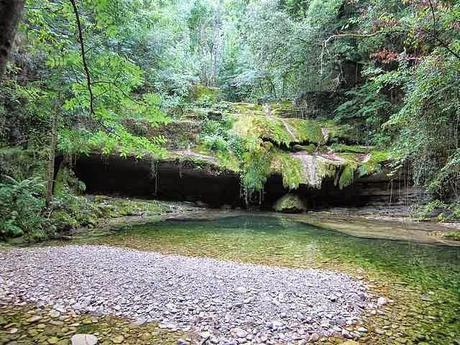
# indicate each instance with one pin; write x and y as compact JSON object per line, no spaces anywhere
{"x":10,"y":15}
{"x":51,"y":160}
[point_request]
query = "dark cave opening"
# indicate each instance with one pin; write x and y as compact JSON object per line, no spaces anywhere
{"x":168,"y":180}
{"x":185,"y":181}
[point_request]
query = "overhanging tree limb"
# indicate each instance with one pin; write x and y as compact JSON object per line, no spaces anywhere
{"x":89,"y":83}
{"x":352,"y":34}
{"x":83,"y":58}
{"x":435,"y":32}
{"x":346,"y":34}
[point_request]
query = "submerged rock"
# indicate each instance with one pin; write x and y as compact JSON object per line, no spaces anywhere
{"x":84,"y":339}
{"x":381,"y":301}
{"x":118,"y":339}
{"x":290,"y":203}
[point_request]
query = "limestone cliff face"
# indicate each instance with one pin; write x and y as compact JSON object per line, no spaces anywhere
{"x":189,"y":181}
{"x":243,"y":154}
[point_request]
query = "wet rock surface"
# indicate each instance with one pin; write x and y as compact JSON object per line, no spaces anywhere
{"x":83,"y":339}
{"x":224,"y":302}
{"x":77,"y":329}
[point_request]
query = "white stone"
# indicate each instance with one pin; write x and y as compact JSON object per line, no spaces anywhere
{"x":381,"y":301}
{"x":313,"y":338}
{"x":276,"y":324}
{"x":239,"y":333}
{"x":240,"y":289}
{"x":84,"y":339}
{"x":54,"y":313}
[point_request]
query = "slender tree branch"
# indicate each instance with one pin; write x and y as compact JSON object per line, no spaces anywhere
{"x":435,"y":32}
{"x":350,"y":34}
{"x":83,"y":58}
{"x":89,"y":82}
{"x":113,"y":83}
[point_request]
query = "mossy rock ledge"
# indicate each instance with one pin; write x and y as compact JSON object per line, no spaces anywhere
{"x":290,"y":203}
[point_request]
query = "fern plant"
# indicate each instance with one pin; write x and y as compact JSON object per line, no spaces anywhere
{"x":21,"y":207}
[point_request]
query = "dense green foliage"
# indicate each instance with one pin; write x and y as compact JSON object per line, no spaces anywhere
{"x":21,"y":207}
{"x":106,"y":76}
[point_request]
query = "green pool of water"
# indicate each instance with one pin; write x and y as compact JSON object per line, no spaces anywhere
{"x":424,"y":280}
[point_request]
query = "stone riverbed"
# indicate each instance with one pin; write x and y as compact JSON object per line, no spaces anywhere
{"x":224,"y":302}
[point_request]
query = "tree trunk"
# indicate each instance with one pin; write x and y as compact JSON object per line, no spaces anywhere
{"x":51,"y":160}
{"x":10,"y":15}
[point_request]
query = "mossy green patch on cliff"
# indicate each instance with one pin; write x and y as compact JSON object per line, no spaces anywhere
{"x":224,"y":159}
{"x":256,"y":166}
{"x":281,"y":124}
{"x":290,"y":203}
{"x":289,"y":168}
{"x":284,"y":109}
{"x":347,"y":175}
{"x":247,"y":108}
{"x":299,"y":164}
{"x":374,"y":162}
{"x":123,"y":143}
{"x":255,"y":141}
{"x":284,"y":131}
{"x":358,"y":165}
{"x":350,"y":148}
{"x":202,"y":93}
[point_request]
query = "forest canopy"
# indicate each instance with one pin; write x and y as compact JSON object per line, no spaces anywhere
{"x":105,"y":75}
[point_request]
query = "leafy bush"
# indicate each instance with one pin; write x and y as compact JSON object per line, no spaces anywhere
{"x":428,"y":125}
{"x":369,"y":108}
{"x":71,"y":211}
{"x":439,"y":210}
{"x":21,"y":209}
{"x":215,"y":143}
{"x":217,"y":136}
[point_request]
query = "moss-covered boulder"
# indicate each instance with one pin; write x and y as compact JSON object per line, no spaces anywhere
{"x":290,"y":203}
{"x":203,"y":93}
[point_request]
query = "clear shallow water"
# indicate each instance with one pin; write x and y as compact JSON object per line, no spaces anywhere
{"x":249,"y":238}
{"x":424,"y":280}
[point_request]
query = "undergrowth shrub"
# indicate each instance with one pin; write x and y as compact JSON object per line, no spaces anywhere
{"x":72,"y":211}
{"x":21,"y":209}
{"x":218,"y":137}
{"x":437,"y":209}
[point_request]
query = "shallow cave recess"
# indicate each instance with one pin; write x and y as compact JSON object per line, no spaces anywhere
{"x":204,"y":184}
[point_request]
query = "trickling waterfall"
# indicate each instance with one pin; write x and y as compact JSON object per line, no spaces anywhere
{"x":288,"y":129}
{"x":154,"y":174}
{"x":309,"y":164}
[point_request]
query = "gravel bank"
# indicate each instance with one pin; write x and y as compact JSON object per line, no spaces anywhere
{"x":228,"y":302}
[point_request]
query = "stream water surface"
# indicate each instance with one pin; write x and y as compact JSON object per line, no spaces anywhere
{"x":423,"y":280}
